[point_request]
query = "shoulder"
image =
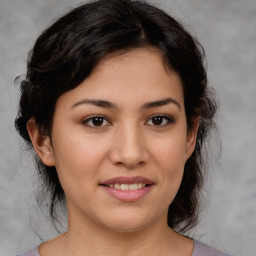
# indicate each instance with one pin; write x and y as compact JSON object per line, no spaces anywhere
{"x":32,"y":252}
{"x":201,"y":249}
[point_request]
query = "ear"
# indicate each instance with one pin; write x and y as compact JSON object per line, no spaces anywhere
{"x":191,"y":139}
{"x":41,"y":143}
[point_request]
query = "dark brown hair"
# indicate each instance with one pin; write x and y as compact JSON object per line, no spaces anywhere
{"x":68,"y":51}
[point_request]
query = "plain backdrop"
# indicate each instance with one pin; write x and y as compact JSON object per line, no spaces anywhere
{"x":227,"y":30}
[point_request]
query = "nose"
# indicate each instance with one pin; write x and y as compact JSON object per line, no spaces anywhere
{"x":129,"y":148}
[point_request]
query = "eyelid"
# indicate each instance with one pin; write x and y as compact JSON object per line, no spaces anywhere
{"x":86,"y":120}
{"x":169,"y":119}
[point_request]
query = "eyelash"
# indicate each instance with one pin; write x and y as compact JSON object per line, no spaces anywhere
{"x":168,"y":120}
{"x":96,"y":118}
{"x":102,"y":120}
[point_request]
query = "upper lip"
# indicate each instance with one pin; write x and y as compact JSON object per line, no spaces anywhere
{"x":127,"y":180}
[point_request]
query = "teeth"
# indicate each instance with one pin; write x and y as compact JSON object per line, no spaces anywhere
{"x":117,"y":186}
{"x":134,"y":186}
{"x":124,"y":186}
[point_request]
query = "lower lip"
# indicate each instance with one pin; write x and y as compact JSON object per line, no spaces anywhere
{"x":127,"y":195}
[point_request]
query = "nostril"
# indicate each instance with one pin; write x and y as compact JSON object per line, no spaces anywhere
{"x":128,"y":156}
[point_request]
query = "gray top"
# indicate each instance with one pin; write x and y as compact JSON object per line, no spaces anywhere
{"x":200,"y":249}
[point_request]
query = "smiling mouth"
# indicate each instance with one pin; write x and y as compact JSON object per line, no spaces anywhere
{"x":127,"y":189}
{"x":127,"y":183}
{"x":134,"y":186}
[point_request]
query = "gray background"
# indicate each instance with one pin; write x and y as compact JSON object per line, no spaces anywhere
{"x":227,"y":29}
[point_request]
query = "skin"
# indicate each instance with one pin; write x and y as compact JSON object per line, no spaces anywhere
{"x":127,"y":143}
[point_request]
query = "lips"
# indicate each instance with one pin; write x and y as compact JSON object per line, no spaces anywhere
{"x":127,"y":188}
{"x":128,"y":180}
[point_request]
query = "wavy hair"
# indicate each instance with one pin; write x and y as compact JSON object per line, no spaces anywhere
{"x":67,"y":52}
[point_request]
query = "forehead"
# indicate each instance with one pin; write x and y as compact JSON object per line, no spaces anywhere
{"x":138,"y":75}
{"x":137,"y":56}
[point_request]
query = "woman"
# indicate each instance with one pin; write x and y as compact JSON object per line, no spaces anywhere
{"x":116,"y":105}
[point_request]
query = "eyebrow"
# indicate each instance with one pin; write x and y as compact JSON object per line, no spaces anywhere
{"x":159,"y":103}
{"x":107,"y":104}
{"x":98,"y":103}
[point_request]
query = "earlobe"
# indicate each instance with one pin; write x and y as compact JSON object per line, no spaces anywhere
{"x":191,"y":138}
{"x":41,"y":143}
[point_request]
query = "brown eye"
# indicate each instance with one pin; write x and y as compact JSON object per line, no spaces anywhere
{"x":159,"y":120}
{"x":96,"y":122}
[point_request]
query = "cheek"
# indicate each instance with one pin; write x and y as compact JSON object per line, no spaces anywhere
{"x":170,"y":160}
{"x":170,"y":152}
{"x":77,"y":160}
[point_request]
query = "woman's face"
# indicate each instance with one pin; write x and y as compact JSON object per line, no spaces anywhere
{"x":119,"y":142}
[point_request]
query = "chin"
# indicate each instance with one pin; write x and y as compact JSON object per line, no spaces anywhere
{"x":128,"y":224}
{"x":126,"y":228}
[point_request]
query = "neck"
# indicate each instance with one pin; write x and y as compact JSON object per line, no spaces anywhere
{"x":87,"y":239}
{"x":84,"y":238}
